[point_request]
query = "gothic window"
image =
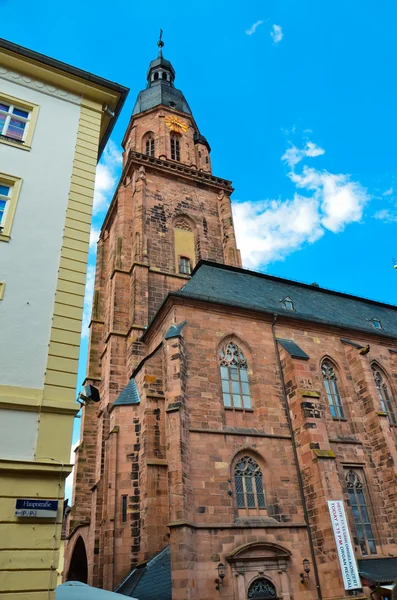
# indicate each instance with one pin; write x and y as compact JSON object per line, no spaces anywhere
{"x":149,"y":145}
{"x":185,"y":265}
{"x":332,"y":389}
{"x":288,"y":304}
{"x":358,"y":505}
{"x":234,"y":376}
{"x":249,"y":484}
{"x":261,"y":589}
{"x":175,"y":147}
{"x":385,"y":398}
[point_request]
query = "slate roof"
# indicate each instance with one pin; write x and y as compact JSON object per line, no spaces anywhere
{"x":232,"y":286}
{"x":378,"y":570}
{"x":293,"y":349}
{"x":150,"y":581}
{"x":129,"y":395}
{"x":161,"y":93}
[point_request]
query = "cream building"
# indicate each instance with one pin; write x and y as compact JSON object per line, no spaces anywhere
{"x":54,"y":123}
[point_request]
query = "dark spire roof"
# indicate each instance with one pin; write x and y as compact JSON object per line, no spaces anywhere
{"x":160,"y":88}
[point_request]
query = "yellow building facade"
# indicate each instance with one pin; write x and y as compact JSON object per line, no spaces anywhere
{"x":54,"y":123}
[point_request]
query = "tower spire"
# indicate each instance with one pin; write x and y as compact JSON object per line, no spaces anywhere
{"x":160,"y":44}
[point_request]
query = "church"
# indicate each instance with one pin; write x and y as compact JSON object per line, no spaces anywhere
{"x":242,"y":444}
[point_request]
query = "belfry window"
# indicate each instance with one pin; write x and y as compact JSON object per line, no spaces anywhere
{"x":331,"y":387}
{"x":149,"y":150}
{"x":385,"y":398}
{"x":175,"y":147}
{"x":185,"y":265}
{"x":249,"y":484}
{"x":358,"y":505}
{"x":261,"y":589}
{"x":234,"y":376}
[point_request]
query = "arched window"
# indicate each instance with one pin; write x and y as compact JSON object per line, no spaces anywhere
{"x":164,"y":75}
{"x":175,"y":147}
{"x":156,"y":76}
{"x":385,"y":398}
{"x":261,"y":589}
{"x":358,"y":505}
{"x":149,"y":145}
{"x":234,"y":376}
{"x":249,"y":485}
{"x":331,"y":387}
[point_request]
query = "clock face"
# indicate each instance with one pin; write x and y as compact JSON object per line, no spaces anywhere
{"x":176,"y":124}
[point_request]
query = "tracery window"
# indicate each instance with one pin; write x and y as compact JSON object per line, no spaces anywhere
{"x":234,"y":376}
{"x":249,"y":484}
{"x":358,"y":505}
{"x":385,"y":398}
{"x":175,"y":147}
{"x":149,"y":148}
{"x":261,"y":589}
{"x":332,"y":389}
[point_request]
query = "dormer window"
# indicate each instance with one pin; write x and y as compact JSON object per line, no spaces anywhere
{"x":288,"y":303}
{"x":376,"y":323}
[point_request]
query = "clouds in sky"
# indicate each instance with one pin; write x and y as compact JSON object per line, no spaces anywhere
{"x":271,"y":229}
{"x":277,"y":34}
{"x":106,"y":178}
{"x":254,"y":27}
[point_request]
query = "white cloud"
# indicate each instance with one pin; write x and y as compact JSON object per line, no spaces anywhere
{"x":271,"y":229}
{"x":254,"y":27}
{"x":277,"y":34}
{"x":89,"y":292}
{"x":386,"y":215}
{"x":94,"y":237}
{"x":106,"y":178}
{"x":388,"y":192}
{"x":293,"y":155}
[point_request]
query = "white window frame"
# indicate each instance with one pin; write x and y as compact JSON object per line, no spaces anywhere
{"x":32,"y":109}
{"x":14,"y":183}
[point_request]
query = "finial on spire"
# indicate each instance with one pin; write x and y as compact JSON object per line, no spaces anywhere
{"x":160,"y":43}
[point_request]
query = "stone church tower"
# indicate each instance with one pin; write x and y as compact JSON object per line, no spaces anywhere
{"x":245,"y":421}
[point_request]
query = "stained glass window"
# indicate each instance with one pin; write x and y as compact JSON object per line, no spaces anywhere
{"x":234,"y":376}
{"x":358,"y":505}
{"x":13,"y":121}
{"x":385,"y":398}
{"x":249,"y":484}
{"x":261,"y":589}
{"x":332,"y":389}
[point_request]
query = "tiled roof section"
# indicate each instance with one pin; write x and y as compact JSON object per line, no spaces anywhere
{"x":152,"y":581}
{"x":246,"y":289}
{"x":129,"y":395}
{"x":293,"y":349}
{"x":378,"y":570}
{"x":174,"y":331}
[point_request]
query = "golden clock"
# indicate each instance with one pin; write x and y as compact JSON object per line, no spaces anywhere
{"x":176,"y":124}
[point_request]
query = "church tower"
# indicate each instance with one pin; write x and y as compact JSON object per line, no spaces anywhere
{"x":168,"y":212}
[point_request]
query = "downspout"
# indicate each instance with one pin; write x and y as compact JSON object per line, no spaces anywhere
{"x":300,"y":483}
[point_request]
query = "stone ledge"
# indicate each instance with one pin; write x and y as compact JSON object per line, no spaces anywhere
{"x":240,"y":431}
{"x":174,"y":524}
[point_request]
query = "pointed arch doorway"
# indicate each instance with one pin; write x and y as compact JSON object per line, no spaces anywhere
{"x":260,"y":571}
{"x":78,"y":568}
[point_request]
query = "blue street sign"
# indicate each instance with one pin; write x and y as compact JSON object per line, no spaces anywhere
{"x":35,"y":507}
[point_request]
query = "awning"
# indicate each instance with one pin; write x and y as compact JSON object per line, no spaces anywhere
{"x":75,"y":590}
{"x":378,"y":570}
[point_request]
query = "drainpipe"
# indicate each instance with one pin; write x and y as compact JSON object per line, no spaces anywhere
{"x":300,"y":483}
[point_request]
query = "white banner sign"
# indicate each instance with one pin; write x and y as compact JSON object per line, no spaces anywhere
{"x":347,"y":559}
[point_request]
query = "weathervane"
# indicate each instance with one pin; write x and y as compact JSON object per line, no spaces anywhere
{"x":160,"y":43}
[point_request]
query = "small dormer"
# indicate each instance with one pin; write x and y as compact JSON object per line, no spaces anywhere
{"x":288,"y":303}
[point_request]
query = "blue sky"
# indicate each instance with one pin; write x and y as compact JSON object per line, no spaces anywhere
{"x":298,"y":100}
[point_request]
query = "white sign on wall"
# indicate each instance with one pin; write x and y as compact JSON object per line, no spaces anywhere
{"x":347,"y":560}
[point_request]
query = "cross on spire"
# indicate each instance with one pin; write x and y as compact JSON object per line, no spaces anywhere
{"x":160,"y":44}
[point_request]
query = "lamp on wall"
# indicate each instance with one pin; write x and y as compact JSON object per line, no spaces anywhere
{"x":221,"y":572}
{"x":306,"y":570}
